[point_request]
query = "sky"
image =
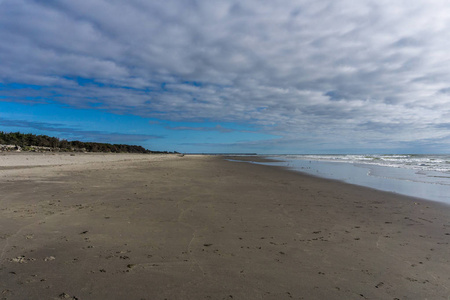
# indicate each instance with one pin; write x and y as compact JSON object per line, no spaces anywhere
{"x":213,"y":76}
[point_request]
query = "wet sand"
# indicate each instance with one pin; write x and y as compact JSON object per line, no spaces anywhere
{"x":201,"y":227}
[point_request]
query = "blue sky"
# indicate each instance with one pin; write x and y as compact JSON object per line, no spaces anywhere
{"x":230,"y":76}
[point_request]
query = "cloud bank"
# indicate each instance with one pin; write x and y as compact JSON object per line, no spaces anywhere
{"x":320,"y":74}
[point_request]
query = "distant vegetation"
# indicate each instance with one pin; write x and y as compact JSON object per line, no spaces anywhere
{"x":41,"y":143}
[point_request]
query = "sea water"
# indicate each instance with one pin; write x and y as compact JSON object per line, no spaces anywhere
{"x":422,"y":176}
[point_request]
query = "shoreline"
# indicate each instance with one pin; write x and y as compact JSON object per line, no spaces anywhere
{"x":201,"y":227}
{"x":262,"y":160}
{"x":357,"y":173}
{"x":338,"y":181}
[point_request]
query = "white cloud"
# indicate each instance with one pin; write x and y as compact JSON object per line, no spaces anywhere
{"x":322,"y":71}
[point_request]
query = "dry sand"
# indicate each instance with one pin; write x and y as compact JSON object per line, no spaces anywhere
{"x":198,"y":227}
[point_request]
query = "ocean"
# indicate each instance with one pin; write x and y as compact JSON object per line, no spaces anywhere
{"x":422,"y":176}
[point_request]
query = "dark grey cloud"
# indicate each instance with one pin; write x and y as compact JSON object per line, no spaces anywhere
{"x":322,"y":71}
{"x":74,"y":134}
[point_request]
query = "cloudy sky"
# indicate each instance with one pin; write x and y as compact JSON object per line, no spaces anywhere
{"x":294,"y":76}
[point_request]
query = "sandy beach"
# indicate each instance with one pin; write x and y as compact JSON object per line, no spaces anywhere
{"x":129,"y":226}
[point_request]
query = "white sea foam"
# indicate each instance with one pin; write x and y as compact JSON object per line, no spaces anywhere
{"x":439,"y":163}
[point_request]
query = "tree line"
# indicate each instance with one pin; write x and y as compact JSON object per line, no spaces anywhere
{"x":28,"y":140}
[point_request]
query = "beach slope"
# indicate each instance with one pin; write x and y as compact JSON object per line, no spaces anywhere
{"x":201,"y":227}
